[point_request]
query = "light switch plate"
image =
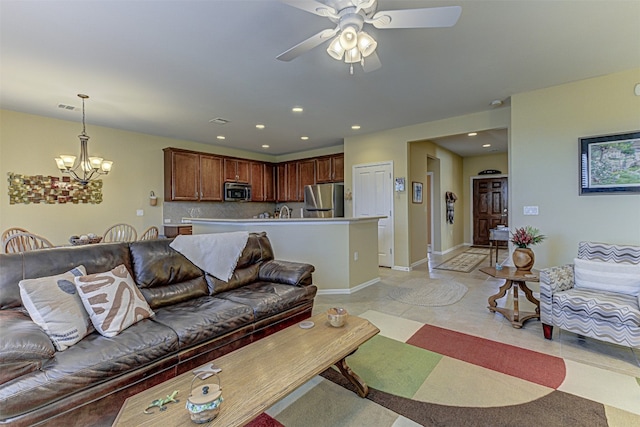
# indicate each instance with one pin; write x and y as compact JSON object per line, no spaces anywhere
{"x":530,"y":210}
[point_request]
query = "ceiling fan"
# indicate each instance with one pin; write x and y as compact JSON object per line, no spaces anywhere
{"x":353,"y":44}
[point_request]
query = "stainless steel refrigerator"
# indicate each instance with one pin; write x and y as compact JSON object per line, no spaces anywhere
{"x":323,"y":201}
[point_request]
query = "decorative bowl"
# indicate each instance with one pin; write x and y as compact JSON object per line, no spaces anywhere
{"x":337,"y":316}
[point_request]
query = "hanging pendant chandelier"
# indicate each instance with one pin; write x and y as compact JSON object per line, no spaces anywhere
{"x":86,"y":168}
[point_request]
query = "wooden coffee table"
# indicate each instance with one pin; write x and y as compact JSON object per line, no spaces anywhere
{"x":517,"y":279}
{"x":260,"y":374}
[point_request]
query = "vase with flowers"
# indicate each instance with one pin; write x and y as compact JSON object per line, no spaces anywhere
{"x":523,"y":257}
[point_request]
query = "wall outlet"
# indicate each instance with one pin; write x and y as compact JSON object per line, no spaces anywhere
{"x":140,"y":212}
{"x":530,"y":210}
{"x":167,"y":220}
{"x":355,"y":256}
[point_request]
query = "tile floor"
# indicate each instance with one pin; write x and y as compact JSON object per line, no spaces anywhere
{"x":471,"y":316}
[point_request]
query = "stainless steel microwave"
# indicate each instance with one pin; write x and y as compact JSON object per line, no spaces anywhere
{"x":237,"y":192}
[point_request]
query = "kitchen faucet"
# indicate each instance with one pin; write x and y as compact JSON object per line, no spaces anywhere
{"x":286,"y":209}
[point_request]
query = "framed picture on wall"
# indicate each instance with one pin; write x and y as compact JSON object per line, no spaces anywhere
{"x":610,"y":164}
{"x":417,"y":192}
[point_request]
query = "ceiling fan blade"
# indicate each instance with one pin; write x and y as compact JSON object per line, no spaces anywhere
{"x":307,"y":45}
{"x":312,"y":6}
{"x":371,"y":63}
{"x":417,"y":18}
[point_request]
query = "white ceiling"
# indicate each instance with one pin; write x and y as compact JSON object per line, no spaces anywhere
{"x":168,"y":67}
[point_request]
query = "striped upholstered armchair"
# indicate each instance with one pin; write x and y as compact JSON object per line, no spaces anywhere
{"x":597,"y":296}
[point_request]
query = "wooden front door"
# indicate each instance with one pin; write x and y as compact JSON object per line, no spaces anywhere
{"x":490,"y":201}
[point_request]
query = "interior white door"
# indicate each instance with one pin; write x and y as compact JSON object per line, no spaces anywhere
{"x":373,"y":196}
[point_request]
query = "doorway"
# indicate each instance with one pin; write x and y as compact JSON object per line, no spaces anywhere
{"x":373,"y":196}
{"x":490,"y":201}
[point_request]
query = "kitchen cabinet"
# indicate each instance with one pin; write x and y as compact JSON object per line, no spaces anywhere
{"x":174,"y":230}
{"x":269,"y":183}
{"x":291,"y":179}
{"x":191,"y":176}
{"x":211,"y":178}
{"x":281,"y":183}
{"x":330,"y":168}
{"x":262,"y":184}
{"x":236,"y":170}
{"x":306,"y":176}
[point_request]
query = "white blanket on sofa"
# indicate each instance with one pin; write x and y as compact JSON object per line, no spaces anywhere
{"x":217,"y":253}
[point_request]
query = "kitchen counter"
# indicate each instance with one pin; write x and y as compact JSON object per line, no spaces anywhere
{"x":344,"y":251}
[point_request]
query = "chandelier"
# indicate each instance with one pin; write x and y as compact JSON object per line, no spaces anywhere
{"x":353,"y":44}
{"x":87,"y":168}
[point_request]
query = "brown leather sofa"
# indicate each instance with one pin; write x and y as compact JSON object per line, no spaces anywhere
{"x":197,"y":318}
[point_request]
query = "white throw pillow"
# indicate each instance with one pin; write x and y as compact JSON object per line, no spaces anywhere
{"x":53,"y":304}
{"x":112,"y":300}
{"x":607,"y":276}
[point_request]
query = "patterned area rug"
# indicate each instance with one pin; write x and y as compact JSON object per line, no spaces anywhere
{"x":429,"y":292}
{"x":424,"y":375}
{"x":466,"y":261}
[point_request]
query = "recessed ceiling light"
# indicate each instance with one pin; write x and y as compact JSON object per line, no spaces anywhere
{"x":355,"y":127}
{"x":304,"y":138}
{"x":486,"y":145}
{"x":265,"y":146}
{"x":472,"y":133}
{"x":297,"y":109}
{"x":220,"y":137}
{"x":260,"y":126}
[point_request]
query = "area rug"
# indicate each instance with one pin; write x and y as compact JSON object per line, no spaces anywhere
{"x":429,"y":292}
{"x":464,"y":262}
{"x":440,"y":377}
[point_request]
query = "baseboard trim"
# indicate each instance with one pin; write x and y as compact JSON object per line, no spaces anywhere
{"x":400,"y":268}
{"x":419,"y":262}
{"x":348,"y":291}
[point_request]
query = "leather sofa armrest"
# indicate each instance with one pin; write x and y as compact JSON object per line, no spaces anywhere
{"x":286,"y":272}
{"x":556,"y":279}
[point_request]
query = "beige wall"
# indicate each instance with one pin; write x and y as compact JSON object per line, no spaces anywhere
{"x":545,"y":128}
{"x":470,"y":169}
{"x":29,"y":143}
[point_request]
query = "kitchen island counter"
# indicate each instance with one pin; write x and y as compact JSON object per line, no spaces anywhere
{"x":344,"y":251}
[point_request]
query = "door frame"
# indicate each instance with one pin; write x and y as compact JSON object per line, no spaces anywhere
{"x":388,"y":163}
{"x":471,"y":182}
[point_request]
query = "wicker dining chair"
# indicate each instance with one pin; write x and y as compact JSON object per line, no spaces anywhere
{"x":10,"y":232}
{"x":150,"y":233}
{"x":120,"y":233}
{"x":25,"y":242}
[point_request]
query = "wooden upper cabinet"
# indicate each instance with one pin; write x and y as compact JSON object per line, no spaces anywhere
{"x":181,"y":175}
{"x":291,"y":177}
{"x":281,"y":183}
{"x":211,"y":178}
{"x":257,"y":181}
{"x":306,"y":176}
{"x":330,"y":168}
{"x":191,"y":176}
{"x":269,"y":183}
{"x":236,"y":170}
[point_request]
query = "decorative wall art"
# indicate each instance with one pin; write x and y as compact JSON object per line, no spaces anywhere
{"x":417,"y":192}
{"x":450,"y":198}
{"x":610,"y":164}
{"x":52,"y":189}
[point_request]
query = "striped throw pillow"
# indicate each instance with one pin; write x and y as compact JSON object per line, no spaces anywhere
{"x":112,"y":300}
{"x":607,"y":276}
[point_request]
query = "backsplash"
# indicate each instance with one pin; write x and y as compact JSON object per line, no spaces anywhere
{"x":176,"y":211}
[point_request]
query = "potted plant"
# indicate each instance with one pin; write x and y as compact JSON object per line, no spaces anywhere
{"x":523,"y":237}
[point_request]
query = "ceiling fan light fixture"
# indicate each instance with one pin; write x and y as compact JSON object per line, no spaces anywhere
{"x":335,"y":49}
{"x":366,"y":44}
{"x":348,"y":38}
{"x":352,"y":56}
